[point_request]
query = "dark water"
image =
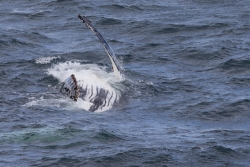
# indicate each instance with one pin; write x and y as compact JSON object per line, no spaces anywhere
{"x":187,"y":67}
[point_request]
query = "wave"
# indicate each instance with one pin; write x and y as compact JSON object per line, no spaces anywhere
{"x":110,"y":21}
{"x":235,"y":65}
{"x":174,"y":28}
{"x":214,"y":112}
{"x":47,"y":135}
{"x":122,"y":7}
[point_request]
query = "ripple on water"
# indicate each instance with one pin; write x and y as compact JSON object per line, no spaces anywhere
{"x":235,"y":65}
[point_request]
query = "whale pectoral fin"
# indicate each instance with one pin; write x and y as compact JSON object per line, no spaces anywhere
{"x":111,"y":54}
{"x":70,"y":87}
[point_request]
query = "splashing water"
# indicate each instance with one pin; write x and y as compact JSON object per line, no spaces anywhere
{"x":90,"y":74}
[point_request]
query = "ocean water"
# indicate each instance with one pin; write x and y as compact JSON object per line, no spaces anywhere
{"x":185,"y":98}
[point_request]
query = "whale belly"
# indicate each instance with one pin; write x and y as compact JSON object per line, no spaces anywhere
{"x":100,"y":94}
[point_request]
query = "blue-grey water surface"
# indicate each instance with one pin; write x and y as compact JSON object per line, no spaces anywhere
{"x":187,"y":70}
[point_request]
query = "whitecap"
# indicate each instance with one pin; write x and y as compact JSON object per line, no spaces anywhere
{"x":46,"y":60}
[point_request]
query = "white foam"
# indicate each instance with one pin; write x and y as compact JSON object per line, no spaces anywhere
{"x":62,"y":71}
{"x":61,"y":102}
{"x":46,"y":60}
{"x":45,"y":102}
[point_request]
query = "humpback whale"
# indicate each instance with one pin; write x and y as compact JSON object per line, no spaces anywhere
{"x":99,"y":95}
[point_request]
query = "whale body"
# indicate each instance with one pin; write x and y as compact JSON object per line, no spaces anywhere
{"x":100,"y":94}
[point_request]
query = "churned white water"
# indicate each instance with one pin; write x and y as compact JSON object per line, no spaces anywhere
{"x":89,"y":74}
{"x":46,"y":60}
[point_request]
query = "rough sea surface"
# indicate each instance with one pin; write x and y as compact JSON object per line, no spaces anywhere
{"x":186,"y":98}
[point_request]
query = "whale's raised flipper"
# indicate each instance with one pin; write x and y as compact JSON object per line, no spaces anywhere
{"x":111,"y":54}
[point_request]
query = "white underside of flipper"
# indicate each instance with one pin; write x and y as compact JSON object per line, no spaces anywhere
{"x":111,"y":54}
